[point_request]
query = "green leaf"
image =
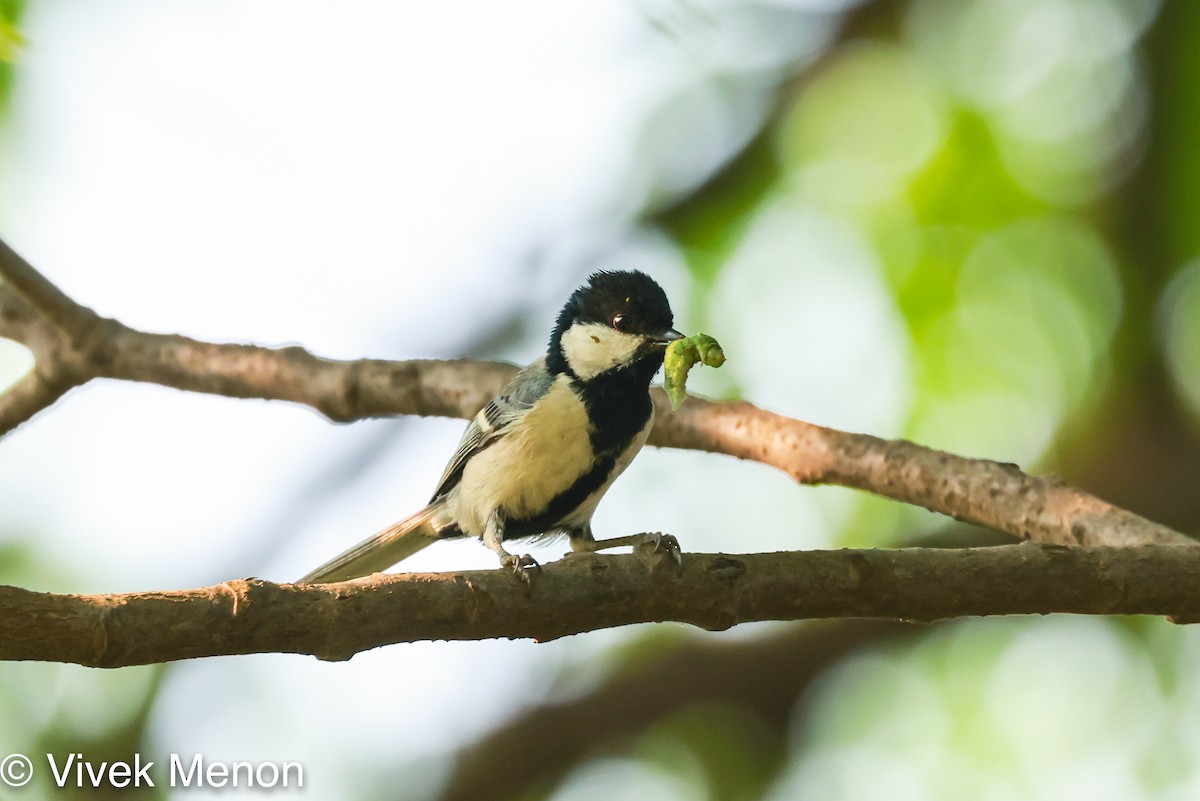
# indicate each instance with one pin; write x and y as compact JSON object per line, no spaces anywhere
{"x":11,"y":42}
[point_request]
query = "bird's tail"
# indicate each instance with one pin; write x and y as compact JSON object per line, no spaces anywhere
{"x":380,"y":551}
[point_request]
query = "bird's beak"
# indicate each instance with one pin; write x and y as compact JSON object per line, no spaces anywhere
{"x":667,"y":337}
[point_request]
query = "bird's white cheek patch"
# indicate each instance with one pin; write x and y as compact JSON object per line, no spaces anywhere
{"x":592,"y":348}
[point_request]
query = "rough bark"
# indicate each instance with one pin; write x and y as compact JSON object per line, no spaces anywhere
{"x":587,"y":592}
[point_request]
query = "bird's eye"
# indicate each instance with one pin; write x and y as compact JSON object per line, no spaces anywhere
{"x":619,"y":322}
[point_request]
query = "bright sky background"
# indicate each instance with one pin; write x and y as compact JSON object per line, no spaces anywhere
{"x":366,"y":179}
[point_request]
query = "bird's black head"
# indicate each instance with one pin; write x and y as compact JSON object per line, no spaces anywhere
{"x":617,"y":320}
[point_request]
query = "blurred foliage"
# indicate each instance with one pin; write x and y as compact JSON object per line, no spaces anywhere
{"x":11,"y":43}
{"x":728,"y":748}
{"x":103,"y":715}
{"x":989,"y":159}
{"x":991,"y":269}
{"x":980,"y":705}
{"x":68,"y":709}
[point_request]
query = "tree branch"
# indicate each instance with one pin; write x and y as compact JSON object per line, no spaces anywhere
{"x":48,"y":299}
{"x":27,"y":397}
{"x":55,"y":370}
{"x":341,"y":390}
{"x":589,"y":592}
{"x":58,"y":330}
{"x":980,"y":491}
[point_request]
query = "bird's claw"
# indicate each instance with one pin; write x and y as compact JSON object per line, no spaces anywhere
{"x":655,"y":543}
{"x":521,"y":567}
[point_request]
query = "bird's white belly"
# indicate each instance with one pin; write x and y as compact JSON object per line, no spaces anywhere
{"x":523,"y":472}
{"x":546,"y":453}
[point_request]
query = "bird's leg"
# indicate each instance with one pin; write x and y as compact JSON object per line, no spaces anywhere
{"x":581,"y":539}
{"x":493,"y":537}
{"x":651,"y":541}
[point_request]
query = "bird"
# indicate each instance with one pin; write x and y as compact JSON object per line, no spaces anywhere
{"x":538,"y":458}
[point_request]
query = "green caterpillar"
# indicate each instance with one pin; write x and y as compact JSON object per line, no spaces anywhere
{"x":681,"y":355}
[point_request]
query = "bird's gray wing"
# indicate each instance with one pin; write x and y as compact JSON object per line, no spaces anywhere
{"x":495,"y":420}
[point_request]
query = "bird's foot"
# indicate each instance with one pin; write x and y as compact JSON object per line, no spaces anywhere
{"x":521,"y":567}
{"x":654,"y":546}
